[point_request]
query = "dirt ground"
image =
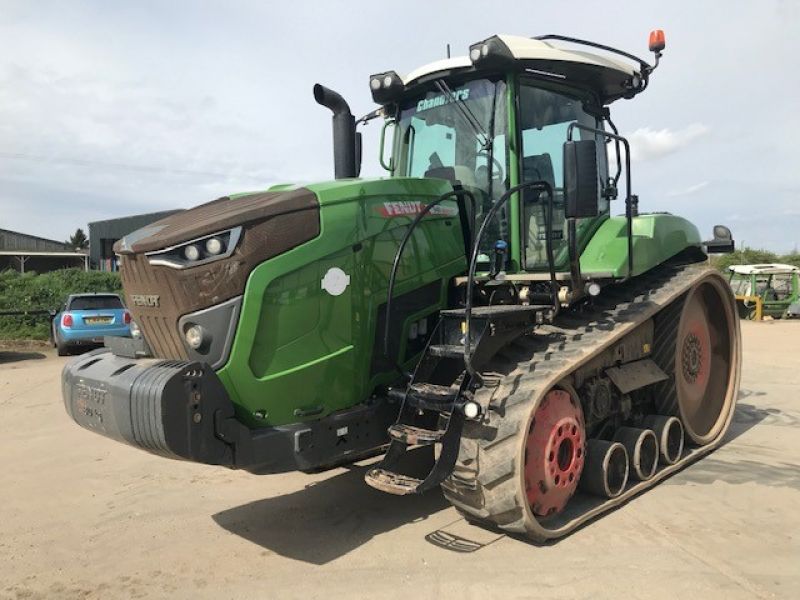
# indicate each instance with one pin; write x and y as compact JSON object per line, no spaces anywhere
{"x":84,"y":517}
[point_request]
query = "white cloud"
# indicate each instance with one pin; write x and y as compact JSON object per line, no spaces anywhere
{"x":130,"y":107}
{"x":648,"y":144}
{"x":688,"y":191}
{"x":118,"y":124}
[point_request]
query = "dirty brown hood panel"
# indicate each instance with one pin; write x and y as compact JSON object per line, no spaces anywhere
{"x":272,"y":223}
{"x":217,"y":215}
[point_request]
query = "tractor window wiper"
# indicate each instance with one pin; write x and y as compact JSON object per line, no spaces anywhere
{"x":467,"y":114}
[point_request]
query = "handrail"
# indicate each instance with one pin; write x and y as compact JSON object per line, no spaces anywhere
{"x":645,"y":66}
{"x":542,"y":186}
{"x":396,"y":262}
{"x":628,"y":197}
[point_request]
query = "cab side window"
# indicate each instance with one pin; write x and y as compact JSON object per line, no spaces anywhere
{"x":545,"y":117}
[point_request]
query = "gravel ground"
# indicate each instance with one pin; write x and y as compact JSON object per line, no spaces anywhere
{"x":84,"y":517}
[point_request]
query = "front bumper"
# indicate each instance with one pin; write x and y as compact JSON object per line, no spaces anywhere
{"x":181,"y":410}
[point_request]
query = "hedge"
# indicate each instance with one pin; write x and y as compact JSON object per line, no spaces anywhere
{"x":48,"y":291}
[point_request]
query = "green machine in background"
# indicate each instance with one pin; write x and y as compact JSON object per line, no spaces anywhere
{"x":481,"y":299}
{"x":766,"y":290}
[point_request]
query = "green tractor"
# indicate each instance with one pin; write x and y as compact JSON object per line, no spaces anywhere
{"x":480,"y":299}
{"x":766,"y":290}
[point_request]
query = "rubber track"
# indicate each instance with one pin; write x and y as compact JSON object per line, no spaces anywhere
{"x":486,"y":485}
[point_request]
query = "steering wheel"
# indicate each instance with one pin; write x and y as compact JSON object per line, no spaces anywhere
{"x":500,"y":173}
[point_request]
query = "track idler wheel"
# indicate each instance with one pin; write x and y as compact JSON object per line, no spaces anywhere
{"x":642,"y":448}
{"x":606,"y":470}
{"x":669,"y":433}
{"x":555,"y":451}
{"x":697,"y":341}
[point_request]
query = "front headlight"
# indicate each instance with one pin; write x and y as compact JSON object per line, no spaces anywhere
{"x":208,"y":333}
{"x":198,"y":251}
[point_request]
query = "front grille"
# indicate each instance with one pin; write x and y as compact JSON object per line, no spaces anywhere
{"x":163,"y":337}
{"x":158,"y":323}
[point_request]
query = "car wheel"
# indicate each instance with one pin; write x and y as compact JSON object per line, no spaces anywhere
{"x":61,"y":348}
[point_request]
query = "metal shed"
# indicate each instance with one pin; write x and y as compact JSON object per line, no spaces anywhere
{"x":104,"y":234}
{"x":24,"y":252}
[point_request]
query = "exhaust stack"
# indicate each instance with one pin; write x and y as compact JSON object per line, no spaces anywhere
{"x":344,"y":132}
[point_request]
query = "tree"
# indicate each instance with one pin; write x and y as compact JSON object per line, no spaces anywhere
{"x":78,"y":240}
{"x":753,"y":256}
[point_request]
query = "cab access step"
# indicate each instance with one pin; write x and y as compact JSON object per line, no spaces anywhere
{"x":438,"y":400}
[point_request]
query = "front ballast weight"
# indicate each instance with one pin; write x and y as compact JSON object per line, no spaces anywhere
{"x":181,"y":410}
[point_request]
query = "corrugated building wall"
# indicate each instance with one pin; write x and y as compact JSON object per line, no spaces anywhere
{"x":14,"y":240}
{"x":104,"y":234}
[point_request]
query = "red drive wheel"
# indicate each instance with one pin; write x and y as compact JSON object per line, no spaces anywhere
{"x":555,"y":450}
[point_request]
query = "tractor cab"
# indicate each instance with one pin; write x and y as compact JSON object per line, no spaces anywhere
{"x":765,"y":289}
{"x":503,"y":117}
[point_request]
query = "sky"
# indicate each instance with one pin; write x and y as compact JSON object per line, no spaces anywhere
{"x":116,"y":108}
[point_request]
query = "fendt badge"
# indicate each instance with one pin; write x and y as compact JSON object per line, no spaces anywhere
{"x":151,"y":300}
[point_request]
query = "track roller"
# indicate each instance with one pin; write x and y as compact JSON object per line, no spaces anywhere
{"x":606,"y":470}
{"x":669,"y":432}
{"x":642,"y":447}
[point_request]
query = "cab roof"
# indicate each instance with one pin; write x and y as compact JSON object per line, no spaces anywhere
{"x":550,"y":59}
{"x":765,"y":269}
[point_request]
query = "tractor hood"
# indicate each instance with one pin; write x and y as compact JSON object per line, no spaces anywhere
{"x":218,"y":215}
{"x":162,"y":282}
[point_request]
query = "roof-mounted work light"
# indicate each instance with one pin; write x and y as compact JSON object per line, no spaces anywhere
{"x":385,"y":87}
{"x":491,"y":52}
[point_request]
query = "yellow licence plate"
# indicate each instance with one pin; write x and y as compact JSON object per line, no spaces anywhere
{"x":98,"y":320}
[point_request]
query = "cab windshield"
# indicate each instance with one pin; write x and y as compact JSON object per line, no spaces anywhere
{"x":458,"y":132}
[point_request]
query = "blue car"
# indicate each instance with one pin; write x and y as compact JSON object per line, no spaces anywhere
{"x":87,"y":318}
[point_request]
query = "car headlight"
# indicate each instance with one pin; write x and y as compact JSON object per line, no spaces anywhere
{"x":198,"y":251}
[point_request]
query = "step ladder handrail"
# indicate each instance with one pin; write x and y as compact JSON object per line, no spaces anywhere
{"x":542,"y":186}
{"x":398,"y":254}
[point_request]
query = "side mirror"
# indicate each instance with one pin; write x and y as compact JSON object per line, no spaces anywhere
{"x":580,"y":179}
{"x":722,"y":243}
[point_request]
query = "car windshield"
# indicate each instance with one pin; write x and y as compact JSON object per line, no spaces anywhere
{"x":95,"y":303}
